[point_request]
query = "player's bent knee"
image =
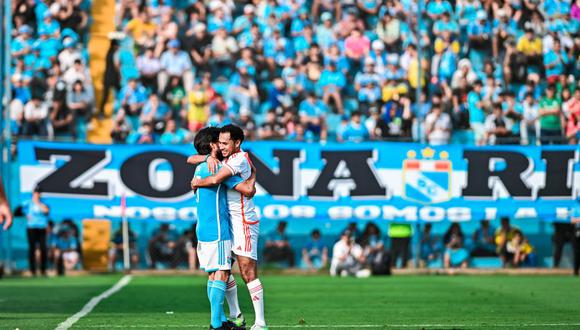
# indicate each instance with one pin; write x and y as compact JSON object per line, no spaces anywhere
{"x":221,"y":275}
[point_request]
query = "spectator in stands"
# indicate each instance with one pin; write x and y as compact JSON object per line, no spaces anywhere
{"x":347,"y":256}
{"x":356,"y":47}
{"x":397,"y":120}
{"x":69,"y":55}
{"x":530,"y":46}
{"x":144,"y":135}
{"x":504,"y":234}
{"x":133,"y":97}
{"x":66,"y":250}
{"x":400,"y":235}
{"x":429,"y":245}
{"x":377,"y":259}
{"x":438,"y":126}
{"x":61,"y":120}
{"x":121,"y":128}
{"x":477,"y":112}
{"x":278,"y":247}
{"x":175,"y":63}
{"x":515,"y":112}
{"x":315,"y":253}
{"x":313,"y":113}
{"x":367,"y":84}
{"x":272,"y":128}
{"x":243,"y":90}
{"x":112,"y":76}
{"x":246,"y":122}
{"x":162,"y":247}
{"x":156,"y":111}
{"x":455,"y":254}
{"x":175,"y":95}
{"x":555,"y":62}
{"x":35,"y":118}
{"x":520,"y":251}
{"x":354,"y":131}
{"x":483,"y":241}
{"x":479,"y":33}
{"x":149,"y":67}
{"x":142,"y":29}
{"x":80,"y":101}
{"x":36,"y":213}
{"x":78,"y":72}
{"x":198,"y":45}
{"x":550,"y":114}
{"x":498,"y":128}
{"x":223,"y":47}
{"x":116,"y":253}
{"x":530,"y":128}
{"x":331,"y":83}
{"x":174,"y":134}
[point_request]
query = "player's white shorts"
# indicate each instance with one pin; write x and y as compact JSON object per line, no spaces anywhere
{"x":215,"y":256}
{"x":245,"y":238}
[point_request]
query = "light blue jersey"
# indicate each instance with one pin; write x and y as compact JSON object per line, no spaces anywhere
{"x":213,"y":219}
{"x":36,"y":219}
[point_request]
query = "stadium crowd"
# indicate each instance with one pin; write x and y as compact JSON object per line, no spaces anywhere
{"x":488,"y":72}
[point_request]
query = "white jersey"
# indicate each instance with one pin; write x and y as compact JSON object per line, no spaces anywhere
{"x":243,"y":216}
{"x":241,"y":208}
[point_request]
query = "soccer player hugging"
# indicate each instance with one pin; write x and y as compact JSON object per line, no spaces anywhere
{"x":224,"y":182}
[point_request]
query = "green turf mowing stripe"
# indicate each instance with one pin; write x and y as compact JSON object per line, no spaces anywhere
{"x":94,"y":302}
{"x":42,"y":303}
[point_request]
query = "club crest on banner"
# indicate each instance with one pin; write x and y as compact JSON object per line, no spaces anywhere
{"x":427,"y":179}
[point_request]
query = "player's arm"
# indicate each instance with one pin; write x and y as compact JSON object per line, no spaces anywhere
{"x":213,"y":180}
{"x":5,"y":214}
{"x":246,"y":188}
{"x":212,"y":162}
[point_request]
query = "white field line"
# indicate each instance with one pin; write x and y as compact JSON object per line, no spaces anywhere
{"x":94,"y":302}
{"x":356,"y":326}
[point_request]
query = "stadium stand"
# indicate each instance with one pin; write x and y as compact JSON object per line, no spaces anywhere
{"x":311,"y":63}
{"x":490,"y":73}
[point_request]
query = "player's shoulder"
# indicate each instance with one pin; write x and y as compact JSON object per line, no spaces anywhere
{"x":201,"y":169}
{"x":237,"y":158}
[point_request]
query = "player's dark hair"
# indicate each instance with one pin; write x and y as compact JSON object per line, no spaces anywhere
{"x":202,"y":141}
{"x":236,"y":133}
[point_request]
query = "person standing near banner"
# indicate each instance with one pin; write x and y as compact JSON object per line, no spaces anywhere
{"x":36,"y":213}
{"x":5,"y":219}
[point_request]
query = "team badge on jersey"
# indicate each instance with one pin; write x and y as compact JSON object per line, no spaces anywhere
{"x":427,"y":180}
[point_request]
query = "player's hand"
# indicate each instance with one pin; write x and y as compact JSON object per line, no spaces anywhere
{"x":213,"y":164}
{"x":5,"y":216}
{"x":194,"y":184}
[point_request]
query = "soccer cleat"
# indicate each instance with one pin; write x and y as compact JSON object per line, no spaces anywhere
{"x":259,"y":327}
{"x":220,"y":328}
{"x":239,"y":323}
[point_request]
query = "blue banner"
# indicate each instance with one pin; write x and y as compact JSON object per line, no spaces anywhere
{"x":364,"y":181}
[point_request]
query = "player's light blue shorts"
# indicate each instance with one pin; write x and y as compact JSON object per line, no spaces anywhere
{"x":214,"y":256}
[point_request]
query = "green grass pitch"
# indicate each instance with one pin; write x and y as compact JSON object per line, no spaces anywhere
{"x":407,"y":302}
